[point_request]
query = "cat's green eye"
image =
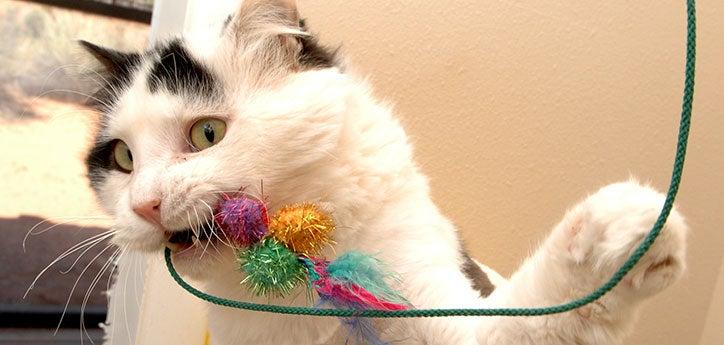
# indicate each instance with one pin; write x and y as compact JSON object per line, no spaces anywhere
{"x":207,"y":132}
{"x":122,"y":156}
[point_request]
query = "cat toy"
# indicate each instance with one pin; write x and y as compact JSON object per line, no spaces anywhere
{"x":644,"y":246}
{"x":277,"y":254}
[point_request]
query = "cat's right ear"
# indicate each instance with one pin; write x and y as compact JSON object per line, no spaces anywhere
{"x":115,"y":62}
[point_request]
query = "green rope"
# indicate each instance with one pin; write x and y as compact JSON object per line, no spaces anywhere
{"x":615,"y":279}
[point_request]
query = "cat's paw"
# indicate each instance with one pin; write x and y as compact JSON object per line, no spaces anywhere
{"x":600,"y":233}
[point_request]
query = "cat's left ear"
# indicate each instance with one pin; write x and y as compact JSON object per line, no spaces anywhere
{"x":255,"y":19}
{"x":115,"y":62}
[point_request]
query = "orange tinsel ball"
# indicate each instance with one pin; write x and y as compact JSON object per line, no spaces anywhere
{"x":303,"y":228}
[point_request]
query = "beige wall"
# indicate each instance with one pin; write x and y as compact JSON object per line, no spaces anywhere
{"x":518,"y":109}
{"x":712,"y":334}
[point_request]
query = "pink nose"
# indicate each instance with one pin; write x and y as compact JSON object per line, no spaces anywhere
{"x":149,"y":210}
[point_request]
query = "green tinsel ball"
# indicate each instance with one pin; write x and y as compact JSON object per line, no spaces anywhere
{"x":271,"y":268}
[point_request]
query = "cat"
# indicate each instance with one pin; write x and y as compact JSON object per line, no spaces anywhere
{"x":262,"y":108}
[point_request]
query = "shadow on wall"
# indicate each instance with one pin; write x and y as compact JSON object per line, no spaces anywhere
{"x":47,"y":242}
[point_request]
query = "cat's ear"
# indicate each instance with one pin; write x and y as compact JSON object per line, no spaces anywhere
{"x":115,"y":62}
{"x":264,"y":16}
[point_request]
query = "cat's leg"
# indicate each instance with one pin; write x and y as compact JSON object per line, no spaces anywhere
{"x":582,"y":252}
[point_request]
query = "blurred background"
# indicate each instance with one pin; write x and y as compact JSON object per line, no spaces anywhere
{"x":44,"y":132}
{"x":517,"y":109}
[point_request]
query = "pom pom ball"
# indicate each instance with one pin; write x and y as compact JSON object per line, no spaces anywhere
{"x":243,"y":220}
{"x":303,"y":228}
{"x":271,"y":268}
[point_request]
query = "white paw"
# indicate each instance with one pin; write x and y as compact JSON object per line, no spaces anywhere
{"x":600,"y":233}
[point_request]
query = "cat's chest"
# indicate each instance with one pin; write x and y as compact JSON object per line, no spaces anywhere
{"x":231,"y":327}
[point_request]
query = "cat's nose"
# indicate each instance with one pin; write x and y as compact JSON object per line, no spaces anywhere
{"x":149,"y":210}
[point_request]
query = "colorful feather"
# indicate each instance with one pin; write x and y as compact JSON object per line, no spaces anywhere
{"x":343,"y":284}
{"x":360,"y":330}
{"x":366,"y":276}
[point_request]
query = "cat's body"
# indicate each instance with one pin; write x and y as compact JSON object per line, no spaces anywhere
{"x":297,"y":123}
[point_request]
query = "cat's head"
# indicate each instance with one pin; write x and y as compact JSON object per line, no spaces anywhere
{"x":260,"y":103}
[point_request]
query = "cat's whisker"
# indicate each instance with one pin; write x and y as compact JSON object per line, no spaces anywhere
{"x":72,"y":219}
{"x":208,"y":222}
{"x":45,"y":93}
{"x":197,"y":224}
{"x":199,"y":229}
{"x":119,"y":275}
{"x":83,"y":253}
{"x":211,"y":213}
{"x":214,"y":227}
{"x":138,"y":271}
{"x":185,"y":250}
{"x":79,"y":69}
{"x":105,"y":82}
{"x":125,"y":304}
{"x":113,"y":269}
{"x":87,"y":242}
{"x":58,"y":116}
{"x":238,"y":192}
{"x":188,"y":217}
{"x":75,"y":285}
{"x":211,"y":236}
{"x":226,"y":236}
{"x":88,"y":292}
{"x":108,"y":295}
{"x":50,"y":74}
{"x":195,"y":231}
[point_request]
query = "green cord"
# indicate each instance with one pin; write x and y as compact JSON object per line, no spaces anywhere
{"x":615,"y":279}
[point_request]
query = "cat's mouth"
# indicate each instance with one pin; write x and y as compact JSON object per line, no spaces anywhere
{"x":182,"y":240}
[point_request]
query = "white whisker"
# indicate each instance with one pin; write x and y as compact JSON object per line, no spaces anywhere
{"x":81,"y":255}
{"x":125,"y":304}
{"x":65,"y":308}
{"x":87,"y":295}
{"x":188,"y":217}
{"x":45,"y":93}
{"x":72,"y":219}
{"x":214,"y":227}
{"x":199,"y":226}
{"x":89,"y":241}
{"x":137,"y":291}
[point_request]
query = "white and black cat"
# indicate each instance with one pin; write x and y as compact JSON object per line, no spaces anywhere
{"x":261,"y":100}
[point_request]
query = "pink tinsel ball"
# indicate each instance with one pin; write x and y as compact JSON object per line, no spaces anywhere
{"x":243,"y":220}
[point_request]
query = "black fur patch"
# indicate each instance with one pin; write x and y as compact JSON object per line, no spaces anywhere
{"x":117,"y":73}
{"x":99,"y":162}
{"x":478,"y":279}
{"x":314,"y":55}
{"x":178,"y":72}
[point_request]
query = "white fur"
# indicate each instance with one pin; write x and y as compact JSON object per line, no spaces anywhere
{"x":319,"y":136}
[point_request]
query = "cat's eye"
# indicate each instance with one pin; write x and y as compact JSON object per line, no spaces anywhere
{"x":122,"y":156}
{"x":207,"y":132}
